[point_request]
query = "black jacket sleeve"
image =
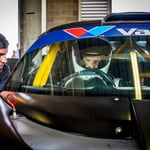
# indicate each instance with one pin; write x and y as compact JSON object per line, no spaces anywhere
{"x":4,"y":75}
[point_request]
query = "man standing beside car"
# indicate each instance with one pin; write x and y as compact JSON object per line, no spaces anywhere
{"x":4,"y":68}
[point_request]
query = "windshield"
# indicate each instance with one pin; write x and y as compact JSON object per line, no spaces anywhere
{"x":112,"y":66}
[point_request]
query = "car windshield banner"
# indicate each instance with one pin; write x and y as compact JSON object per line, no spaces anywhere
{"x":90,"y":31}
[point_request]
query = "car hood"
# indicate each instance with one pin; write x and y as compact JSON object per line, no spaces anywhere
{"x":90,"y":116}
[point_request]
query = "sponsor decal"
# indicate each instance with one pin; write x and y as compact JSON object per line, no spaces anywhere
{"x":82,"y":32}
{"x":90,"y":31}
{"x":109,"y":31}
{"x":134,"y":31}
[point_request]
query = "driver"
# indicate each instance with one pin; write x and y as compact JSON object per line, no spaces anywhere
{"x":94,"y":53}
{"x":91,"y":60}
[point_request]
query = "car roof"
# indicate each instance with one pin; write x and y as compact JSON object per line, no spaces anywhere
{"x":127,"y":18}
{"x":91,"y":28}
{"x":112,"y":18}
{"x":74,"y":24}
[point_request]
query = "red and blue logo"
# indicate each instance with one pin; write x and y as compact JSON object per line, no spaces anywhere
{"x":83,"y":32}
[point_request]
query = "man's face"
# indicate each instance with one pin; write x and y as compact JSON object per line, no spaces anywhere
{"x":3,"y":59}
{"x":91,"y":61}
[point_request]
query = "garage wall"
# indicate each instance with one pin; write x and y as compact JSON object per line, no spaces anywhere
{"x":94,"y":9}
{"x":61,"y":11}
{"x":29,"y":22}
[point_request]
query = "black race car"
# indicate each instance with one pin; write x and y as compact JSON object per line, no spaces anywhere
{"x":53,"y":100}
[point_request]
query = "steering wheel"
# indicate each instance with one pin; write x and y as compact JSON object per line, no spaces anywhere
{"x":87,"y":79}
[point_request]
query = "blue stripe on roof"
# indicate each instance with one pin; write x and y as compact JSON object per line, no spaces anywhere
{"x":92,"y":31}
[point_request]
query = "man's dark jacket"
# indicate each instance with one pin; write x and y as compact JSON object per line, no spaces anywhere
{"x":4,"y":75}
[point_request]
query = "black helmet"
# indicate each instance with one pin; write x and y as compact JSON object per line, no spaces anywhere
{"x":94,"y":47}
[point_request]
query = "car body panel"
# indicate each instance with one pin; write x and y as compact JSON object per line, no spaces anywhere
{"x":70,"y":116}
{"x":52,"y":101}
{"x":141,"y":111}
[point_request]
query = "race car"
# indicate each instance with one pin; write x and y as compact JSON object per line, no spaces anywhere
{"x":81,"y":85}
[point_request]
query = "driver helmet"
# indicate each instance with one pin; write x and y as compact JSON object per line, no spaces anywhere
{"x":93,"y":47}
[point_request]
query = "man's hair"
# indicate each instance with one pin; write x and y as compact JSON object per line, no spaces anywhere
{"x":3,"y":41}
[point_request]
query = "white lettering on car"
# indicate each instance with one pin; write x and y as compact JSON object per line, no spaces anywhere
{"x":130,"y":32}
{"x":134,"y":31}
{"x":142,"y":32}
